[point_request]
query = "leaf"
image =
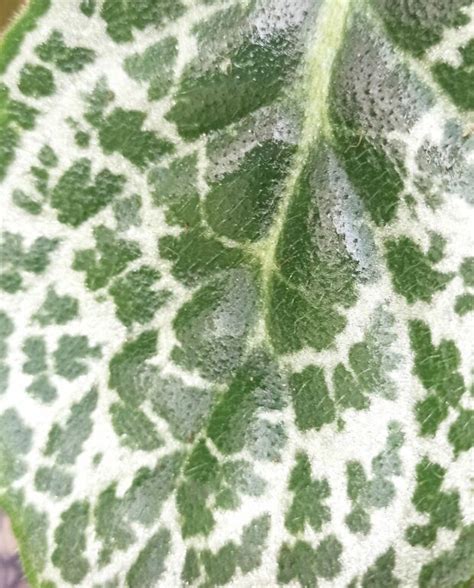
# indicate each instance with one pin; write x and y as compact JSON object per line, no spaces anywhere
{"x":236,"y":292}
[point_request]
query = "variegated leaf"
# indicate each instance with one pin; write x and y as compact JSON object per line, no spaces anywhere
{"x":237,"y":292}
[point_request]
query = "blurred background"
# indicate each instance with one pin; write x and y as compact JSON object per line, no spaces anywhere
{"x":11,"y":575}
{"x":7,"y":8}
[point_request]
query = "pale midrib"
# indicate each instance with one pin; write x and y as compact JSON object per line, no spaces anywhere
{"x":328,"y":36}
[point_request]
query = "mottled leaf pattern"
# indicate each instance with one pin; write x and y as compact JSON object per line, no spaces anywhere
{"x":237,"y":292}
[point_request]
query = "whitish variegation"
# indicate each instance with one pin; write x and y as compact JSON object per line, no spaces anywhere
{"x":237,"y":292}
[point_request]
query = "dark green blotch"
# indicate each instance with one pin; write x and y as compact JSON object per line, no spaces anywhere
{"x":185,"y":408}
{"x":312,"y":403}
{"x":381,"y":572}
{"x":437,"y":248}
{"x":70,"y":538}
{"x":56,"y":309}
{"x":122,"y":17}
{"x":377,"y":179}
{"x":14,"y":256}
{"x":212,"y":327}
{"x":196,"y":256}
{"x":201,"y":465}
{"x":15,"y":441}
{"x":97,"y":102}
{"x":66,"y":59}
{"x":35,"y":350}
{"x":150,"y":564}
{"x":467,"y":271}
{"x":412,"y":273}
{"x":127,"y":212}
{"x":110,"y":257}
{"x":356,"y":480}
{"x":221,"y":566}
{"x":126,"y":365}
{"x":211,"y":100}
{"x":112,"y":524}
{"x":82,"y":139}
{"x":47,"y":156}
{"x":87,"y":7}
{"x":191,"y":568}
{"x":379,"y":491}
{"x":308,"y":501}
{"x":41,"y":176}
{"x":241,"y":205}
{"x":256,"y":386}
{"x":430,"y":413}
{"x":11,"y":248}
{"x":71,"y":355}
{"x":347,"y":391}
{"x":175,"y":187}
{"x":9,"y":139}
{"x":54,"y":481}
{"x":327,"y":559}
{"x":368,"y":366}
{"x":26,"y":202}
{"x":454,"y":567}
{"x":253,"y":541}
{"x":10,"y":282}
{"x":134,"y":428}
{"x":16,"y":112}
{"x":121,"y":131}
{"x":42,"y":389}
{"x":438,"y":370}
{"x":196,"y":517}
{"x":36,"y":260}
{"x":311,"y":282}
{"x":36,"y":81}
{"x":441,"y":507}
{"x":142,"y":503}
{"x":464,"y":304}
{"x":201,"y":473}
{"x":361,"y":117}
{"x":461,"y":432}
{"x":358,"y":520}
{"x":226,"y":482}
{"x":13,"y":114}
{"x":235,"y":478}
{"x":458,"y":82}
{"x":155,"y":65}
{"x":65,"y":442}
{"x":78,"y":197}
{"x":4,"y":376}
{"x":134,"y":298}
{"x":297,"y":563}
{"x":6,"y":329}
{"x":424,"y":535}
{"x":151,"y":487}
{"x":417,"y":25}
{"x":222,"y":28}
